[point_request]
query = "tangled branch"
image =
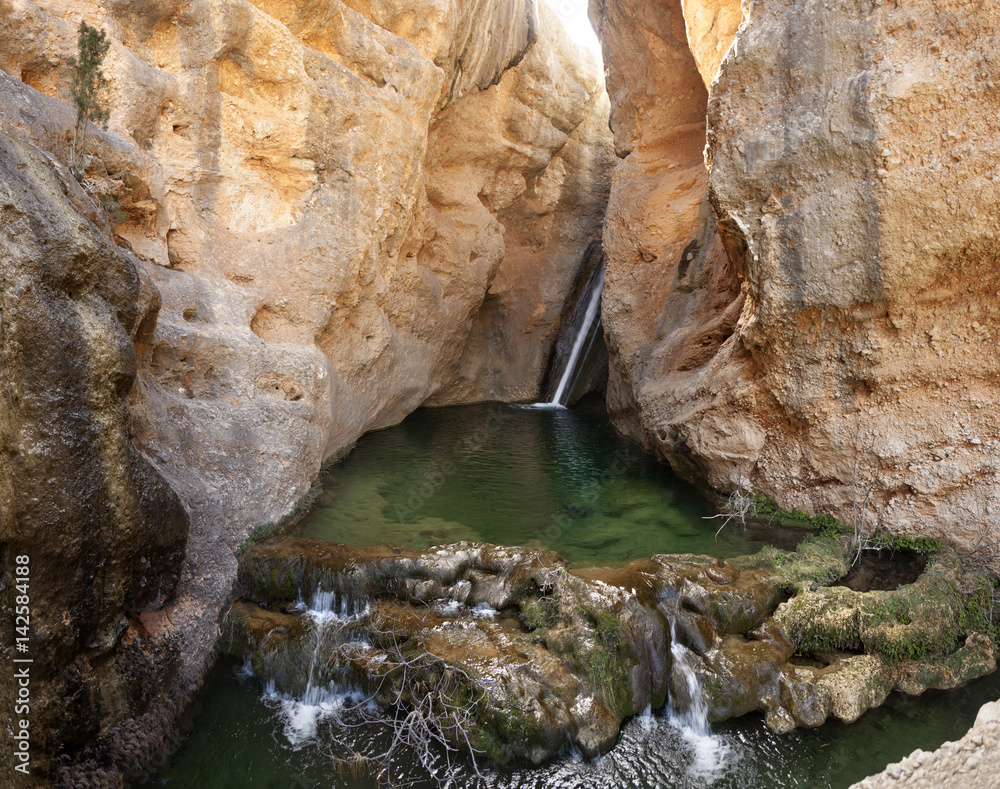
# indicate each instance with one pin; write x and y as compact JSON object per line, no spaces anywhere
{"x":428,"y":705}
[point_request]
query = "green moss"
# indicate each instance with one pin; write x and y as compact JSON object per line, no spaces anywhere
{"x":608,"y":660}
{"x":819,"y":560}
{"x":922,"y":545}
{"x":541,"y":613}
{"x":524,"y":589}
{"x":264,"y":585}
{"x":925,"y":620}
{"x":503,"y":733}
{"x":766,"y":507}
{"x":234,"y":639}
{"x":388,"y":578}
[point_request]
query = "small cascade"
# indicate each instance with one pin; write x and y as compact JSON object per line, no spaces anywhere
{"x":690,"y":714}
{"x":694,"y":715}
{"x":325,"y":695}
{"x":577,"y":334}
{"x":334,"y":606}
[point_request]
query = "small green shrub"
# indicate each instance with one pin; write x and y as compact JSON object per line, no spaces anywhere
{"x":543,"y":612}
{"x":88,"y":88}
{"x":113,"y":208}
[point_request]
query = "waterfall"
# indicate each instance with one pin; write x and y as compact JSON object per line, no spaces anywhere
{"x":578,"y":333}
{"x":330,"y":616}
{"x":694,"y":716}
{"x":690,"y":714}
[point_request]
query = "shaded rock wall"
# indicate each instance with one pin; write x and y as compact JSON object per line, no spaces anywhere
{"x":103,"y":534}
{"x":842,"y":358}
{"x":347,"y":210}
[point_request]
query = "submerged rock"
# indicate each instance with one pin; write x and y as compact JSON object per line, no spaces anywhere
{"x":541,"y":656}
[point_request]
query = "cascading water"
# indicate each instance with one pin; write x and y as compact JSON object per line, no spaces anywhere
{"x":694,"y":716}
{"x":577,"y":335}
{"x":690,"y":713}
{"x":324,"y":696}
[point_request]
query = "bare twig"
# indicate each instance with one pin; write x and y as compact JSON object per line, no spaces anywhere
{"x":738,"y":505}
{"x":416,"y":701}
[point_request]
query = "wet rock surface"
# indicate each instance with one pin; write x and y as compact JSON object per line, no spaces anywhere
{"x":568,"y":655}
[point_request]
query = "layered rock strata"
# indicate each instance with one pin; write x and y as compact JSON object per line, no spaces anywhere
{"x":822,"y":327}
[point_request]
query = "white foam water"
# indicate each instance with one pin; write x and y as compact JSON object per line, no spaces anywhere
{"x":301,"y":717}
{"x":323,"y":698}
{"x":711,"y":752}
{"x":326,"y":606}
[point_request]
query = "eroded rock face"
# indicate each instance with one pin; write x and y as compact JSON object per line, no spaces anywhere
{"x":671,"y":299}
{"x":845,"y":347}
{"x":347,"y":209}
{"x":345,"y":220}
{"x":103,"y":534}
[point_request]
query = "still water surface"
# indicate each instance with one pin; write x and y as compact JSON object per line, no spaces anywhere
{"x":553,"y":478}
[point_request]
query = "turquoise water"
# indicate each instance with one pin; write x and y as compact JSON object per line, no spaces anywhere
{"x":563,"y":480}
{"x":553,"y":478}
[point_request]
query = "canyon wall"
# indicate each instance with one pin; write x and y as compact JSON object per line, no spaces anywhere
{"x":92,"y":539}
{"x":813,"y":311}
{"x":342,"y":210}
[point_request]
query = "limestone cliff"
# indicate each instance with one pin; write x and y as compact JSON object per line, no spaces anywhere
{"x":347,"y":209}
{"x":840,"y":354}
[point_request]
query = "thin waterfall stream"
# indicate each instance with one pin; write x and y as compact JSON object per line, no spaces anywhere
{"x":577,"y":335}
{"x":586,"y":334}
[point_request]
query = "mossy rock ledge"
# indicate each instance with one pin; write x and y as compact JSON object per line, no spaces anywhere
{"x":539,"y":655}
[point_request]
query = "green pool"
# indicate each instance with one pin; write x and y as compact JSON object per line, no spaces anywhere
{"x":554,"y":478}
{"x":540,"y":477}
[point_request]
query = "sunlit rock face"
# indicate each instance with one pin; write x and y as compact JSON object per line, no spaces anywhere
{"x":347,"y":209}
{"x":838,"y":354}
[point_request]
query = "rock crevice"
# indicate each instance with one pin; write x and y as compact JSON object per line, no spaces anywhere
{"x":822,"y":334}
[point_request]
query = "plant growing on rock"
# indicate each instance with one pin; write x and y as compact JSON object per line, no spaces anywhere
{"x":88,"y":86}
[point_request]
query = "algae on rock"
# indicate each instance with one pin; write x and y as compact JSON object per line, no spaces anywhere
{"x":544,"y":655}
